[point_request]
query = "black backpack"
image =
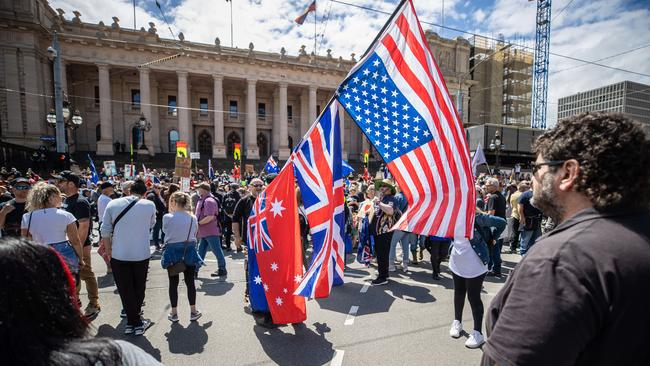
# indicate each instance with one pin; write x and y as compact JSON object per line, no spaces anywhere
{"x":229,"y":202}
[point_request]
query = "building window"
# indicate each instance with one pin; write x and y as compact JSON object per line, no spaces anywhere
{"x":171,"y":106}
{"x":135,"y":99}
{"x":317,"y":110}
{"x":203,"y":106}
{"x":290,"y":113}
{"x":261,"y":110}
{"x":173,"y":137}
{"x":98,"y":132}
{"x":205,"y":143}
{"x":96,"y":96}
{"x":234,"y":113}
{"x":263,"y":144}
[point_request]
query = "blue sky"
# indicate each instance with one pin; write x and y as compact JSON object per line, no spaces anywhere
{"x":586,"y":29}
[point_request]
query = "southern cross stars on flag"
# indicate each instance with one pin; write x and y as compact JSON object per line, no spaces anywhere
{"x":397,"y":96}
{"x":258,"y":228}
{"x":271,"y":165}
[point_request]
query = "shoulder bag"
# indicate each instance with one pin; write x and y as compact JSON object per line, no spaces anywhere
{"x":179,"y":267}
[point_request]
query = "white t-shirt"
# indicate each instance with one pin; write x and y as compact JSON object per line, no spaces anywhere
{"x":102,"y":202}
{"x":464,"y":261}
{"x":48,"y":225}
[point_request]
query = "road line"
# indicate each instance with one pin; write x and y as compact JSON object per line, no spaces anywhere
{"x":350,"y":318}
{"x":421,"y":283}
{"x":365,"y":288}
{"x":337,"y":360}
{"x":356,"y":275}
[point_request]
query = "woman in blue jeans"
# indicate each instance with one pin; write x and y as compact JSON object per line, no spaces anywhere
{"x":180,"y":228}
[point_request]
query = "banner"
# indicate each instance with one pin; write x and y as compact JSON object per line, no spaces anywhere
{"x":109,"y":168}
{"x":183,"y":167}
{"x":181,"y":149}
{"x":127,"y":171}
{"x":185,"y":184}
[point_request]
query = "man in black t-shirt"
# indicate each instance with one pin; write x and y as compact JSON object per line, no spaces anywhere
{"x":11,"y":212}
{"x":79,"y":206}
{"x":496,"y":206}
{"x":580,"y":295}
{"x":230,"y":201}
{"x":243,"y":211}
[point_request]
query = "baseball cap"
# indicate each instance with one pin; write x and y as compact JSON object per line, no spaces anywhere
{"x":105,"y":185}
{"x":205,"y":186}
{"x":69,"y":176}
{"x":17,"y":181}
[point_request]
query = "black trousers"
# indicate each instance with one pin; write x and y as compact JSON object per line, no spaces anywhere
{"x":131,"y":281}
{"x":226,"y":232}
{"x":188,"y":276}
{"x":513,"y":230}
{"x":438,"y":250}
{"x":382,"y":249}
{"x":471,"y":287}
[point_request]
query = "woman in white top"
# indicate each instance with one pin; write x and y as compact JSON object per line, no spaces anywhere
{"x":180,"y":228}
{"x":48,"y":225}
{"x":468,"y":263}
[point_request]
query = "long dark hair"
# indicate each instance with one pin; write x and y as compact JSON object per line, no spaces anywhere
{"x":41,"y":321}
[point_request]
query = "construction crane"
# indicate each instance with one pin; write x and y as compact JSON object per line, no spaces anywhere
{"x":540,"y":71}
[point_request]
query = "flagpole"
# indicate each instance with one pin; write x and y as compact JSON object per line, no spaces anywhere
{"x":315,"y":10}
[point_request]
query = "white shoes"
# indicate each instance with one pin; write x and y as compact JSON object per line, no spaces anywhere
{"x":456,"y":328}
{"x":475,"y":340}
{"x":405,"y":267}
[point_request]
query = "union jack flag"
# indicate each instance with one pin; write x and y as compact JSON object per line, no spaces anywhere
{"x":258,"y":228}
{"x":318,"y":164}
{"x":271,"y":165}
{"x":397,"y":96}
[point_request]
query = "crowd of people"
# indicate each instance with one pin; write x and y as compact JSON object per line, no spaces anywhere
{"x":565,"y":190}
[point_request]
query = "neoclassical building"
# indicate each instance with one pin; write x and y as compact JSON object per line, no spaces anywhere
{"x":208,"y":95}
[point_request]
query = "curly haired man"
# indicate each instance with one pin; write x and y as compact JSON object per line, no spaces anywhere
{"x":580,"y":296}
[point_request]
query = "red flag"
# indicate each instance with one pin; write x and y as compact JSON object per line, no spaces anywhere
{"x":303,"y":16}
{"x":280,"y":266}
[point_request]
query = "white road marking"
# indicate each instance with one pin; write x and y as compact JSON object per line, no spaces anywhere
{"x":337,"y":360}
{"x":350,"y":318}
{"x":365,"y":288}
{"x":355,"y":275}
{"x":421,"y":283}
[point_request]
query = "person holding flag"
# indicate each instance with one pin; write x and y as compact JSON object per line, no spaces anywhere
{"x":271,"y":166}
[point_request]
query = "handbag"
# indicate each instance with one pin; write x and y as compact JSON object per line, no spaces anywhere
{"x":177,"y":268}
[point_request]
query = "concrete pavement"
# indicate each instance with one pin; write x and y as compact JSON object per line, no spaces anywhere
{"x":405,"y":322}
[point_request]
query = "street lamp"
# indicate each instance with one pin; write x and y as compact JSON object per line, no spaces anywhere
{"x":497,"y":146}
{"x":54,"y":54}
{"x":144,"y":126}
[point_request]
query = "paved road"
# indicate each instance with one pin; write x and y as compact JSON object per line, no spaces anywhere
{"x":405,"y":322}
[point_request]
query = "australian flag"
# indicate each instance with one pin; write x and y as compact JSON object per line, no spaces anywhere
{"x":318,"y":165}
{"x":94,"y":177}
{"x":271,"y":166}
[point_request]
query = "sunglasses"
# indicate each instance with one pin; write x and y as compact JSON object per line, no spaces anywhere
{"x":257,"y":185}
{"x":22,"y":188}
{"x":538,"y":166}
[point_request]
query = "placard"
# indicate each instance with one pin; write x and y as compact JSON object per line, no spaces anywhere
{"x":185,"y":184}
{"x":109,"y":168}
{"x":183,"y":167}
{"x":195,"y":155}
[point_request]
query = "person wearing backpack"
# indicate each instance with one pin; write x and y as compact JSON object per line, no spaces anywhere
{"x":125,"y":230}
{"x":468,"y":264}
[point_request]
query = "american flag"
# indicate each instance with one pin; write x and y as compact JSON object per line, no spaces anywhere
{"x":258,"y":228}
{"x":318,"y":164}
{"x":397,"y":96}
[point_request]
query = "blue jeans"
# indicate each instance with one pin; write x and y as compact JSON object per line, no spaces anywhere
{"x":527,"y":239}
{"x":158,"y":234}
{"x":495,"y":257}
{"x":214,"y":242}
{"x":405,"y":238}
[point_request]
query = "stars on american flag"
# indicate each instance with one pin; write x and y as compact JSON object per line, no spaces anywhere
{"x":383,"y":113}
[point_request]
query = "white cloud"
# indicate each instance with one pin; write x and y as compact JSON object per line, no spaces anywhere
{"x":479,"y":15}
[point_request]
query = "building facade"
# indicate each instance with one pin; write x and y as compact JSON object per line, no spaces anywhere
{"x":208,"y":95}
{"x":502,"y":88}
{"x":627,"y":97}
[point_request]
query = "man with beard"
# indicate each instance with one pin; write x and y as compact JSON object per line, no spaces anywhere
{"x":580,"y":297}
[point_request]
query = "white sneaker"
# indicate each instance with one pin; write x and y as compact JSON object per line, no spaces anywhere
{"x":456,"y":328}
{"x":405,"y":267}
{"x":475,"y":340}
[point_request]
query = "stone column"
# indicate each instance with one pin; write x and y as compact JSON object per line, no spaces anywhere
{"x":34,"y":116}
{"x":105,"y":144}
{"x":252,"y":151}
{"x":344,"y":134}
{"x":312,"y":105}
{"x":275,"y":130}
{"x":14,"y":123}
{"x":155,"y":117}
{"x":304,"y":114}
{"x":183,"y":112}
{"x":219,"y":147}
{"x":145,"y":108}
{"x":283,"y":150}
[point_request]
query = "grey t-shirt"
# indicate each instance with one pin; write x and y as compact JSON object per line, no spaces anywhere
{"x":133,"y":355}
{"x":579,"y":297}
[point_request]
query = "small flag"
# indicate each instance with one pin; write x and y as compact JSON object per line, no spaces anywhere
{"x":93,"y":171}
{"x":271,"y":166}
{"x":347,"y":169}
{"x":237,"y":154}
{"x":144,"y":169}
{"x":181,"y":149}
{"x":210,"y":170}
{"x":303,"y":16}
{"x":478,"y":159}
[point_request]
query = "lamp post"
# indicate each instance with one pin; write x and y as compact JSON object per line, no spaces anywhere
{"x":54,"y":54}
{"x":144,"y":126}
{"x":496,"y":146}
